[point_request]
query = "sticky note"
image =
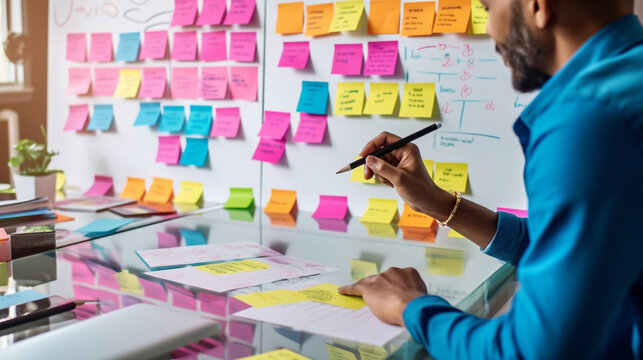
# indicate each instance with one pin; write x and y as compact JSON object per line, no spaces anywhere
{"x":295,"y":54}
{"x":382,"y":98}
{"x":336,"y":353}
{"x":154,"y":45}
{"x":105,"y":81}
{"x":153,"y":83}
{"x":418,"y":234}
{"x":172,"y":119}
{"x":102,"y":226}
{"x":134,"y":189}
{"x":451,"y":176}
{"x":195,"y":153}
{"x":80,"y":79}
{"x":214,"y":82}
{"x":455,"y":234}
{"x":77,"y":47}
{"x":290,"y":18}
{"x":331,"y":207}
{"x":361,"y":269}
{"x":102,"y":117}
{"x":101,"y":47}
{"x":226,"y":122}
{"x":185,"y":83}
{"x":240,"y":198}
{"x":347,"y":59}
{"x":347,"y":16}
{"x":200,"y":120}
{"x":129,"y":283}
{"x":149,"y":114}
{"x":189,"y":193}
{"x":243,"y":46}
{"x":414,"y":218}
{"x":184,"y":12}
{"x":418,"y":18}
{"x":479,"y":17}
{"x":311,"y":128}
{"x":212,"y":12}
{"x":128,"y":46}
{"x":160,"y":192}
{"x":169,"y":150}
{"x":329,"y":294}
{"x":380,"y":211}
{"x":61,"y":179}
{"x":370,"y":352}
{"x":269,"y":150}
{"x":428,"y":164}
{"x":281,"y":201}
{"x":271,"y":298}
{"x":382,"y":58}
{"x":517,"y":212}
{"x":103,"y":185}
{"x":283,"y":354}
{"x":243,"y":83}
{"x":184,"y":46}
{"x":77,"y":117}
{"x":233,"y":267}
{"x":384,"y":17}
{"x":349,"y":99}
{"x":318,"y":19}
{"x":444,"y":262}
{"x":129,"y":81}
{"x":20,"y":297}
{"x":275,"y":125}
{"x":332,"y":224}
{"x":213,"y":46}
{"x":381,"y":230}
{"x":240,"y":12}
{"x":453,"y":16}
{"x":357,"y":175}
{"x":418,"y":100}
{"x":313,"y":98}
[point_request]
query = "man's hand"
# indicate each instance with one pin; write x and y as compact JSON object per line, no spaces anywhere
{"x":388,"y":293}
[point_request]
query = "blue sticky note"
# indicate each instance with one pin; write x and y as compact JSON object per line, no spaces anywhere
{"x":313,"y":98}
{"x":39,"y":212}
{"x":103,"y":226}
{"x":149,"y":114}
{"x":195,"y":153}
{"x":193,"y":237}
{"x":200,"y":120}
{"x":172,"y":119}
{"x":128,"y":47}
{"x":20,"y":298}
{"x":102,"y":117}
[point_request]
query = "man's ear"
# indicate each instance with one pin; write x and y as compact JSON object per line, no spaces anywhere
{"x":541,"y":12}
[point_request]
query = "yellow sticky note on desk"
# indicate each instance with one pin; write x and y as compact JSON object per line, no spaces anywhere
{"x":134,"y":189}
{"x":129,"y":81}
{"x":479,"y":17}
{"x":271,"y":298}
{"x":380,"y":211}
{"x":384,"y":17}
{"x":290,"y":18}
{"x":413,"y":218}
{"x":382,"y":98}
{"x":361,"y":269}
{"x":335,"y":353}
{"x":350,"y":98}
{"x":281,"y":201}
{"x":129,"y":283}
{"x":418,"y":18}
{"x":281,"y":354}
{"x":233,"y":267}
{"x":319,"y":18}
{"x":453,"y":16}
{"x":61,"y":179}
{"x":327,"y":294}
{"x":370,"y":352}
{"x":444,"y":262}
{"x":455,"y":234}
{"x":418,"y":100}
{"x":451,"y":176}
{"x":160,"y":192}
{"x":428,"y":164}
{"x":189,"y":193}
{"x":347,"y":15}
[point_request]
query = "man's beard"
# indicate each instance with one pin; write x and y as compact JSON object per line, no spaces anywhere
{"x":522,"y":51}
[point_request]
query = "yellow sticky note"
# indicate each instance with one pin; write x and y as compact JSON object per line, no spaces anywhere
{"x":281,"y":202}
{"x":318,"y":19}
{"x":290,"y":18}
{"x":129,"y":283}
{"x":189,"y":193}
{"x":382,"y":98}
{"x":281,"y":354}
{"x":418,"y":100}
{"x":134,"y":189}
{"x":444,"y":262}
{"x":271,"y":298}
{"x":453,"y":16}
{"x":233,"y":267}
{"x":418,"y":18}
{"x":384,"y":17}
{"x":361,"y":269}
{"x":335,"y":353}
{"x":428,"y":164}
{"x":160,"y":192}
{"x":350,"y":98}
{"x":381,"y":230}
{"x":327,"y":294}
{"x":451,"y":176}
{"x":380,"y":211}
{"x":479,"y":17}
{"x":347,"y":15}
{"x":357,"y":175}
{"x":413,"y":218}
{"x":129,"y":81}
{"x":61,"y":179}
{"x":455,"y":234}
{"x":370,"y":352}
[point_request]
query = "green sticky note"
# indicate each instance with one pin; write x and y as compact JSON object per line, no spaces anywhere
{"x":240,"y":198}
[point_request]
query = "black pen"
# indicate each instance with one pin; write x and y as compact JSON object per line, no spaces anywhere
{"x":388,"y":148}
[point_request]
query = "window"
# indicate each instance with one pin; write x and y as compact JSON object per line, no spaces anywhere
{"x":11,"y":75}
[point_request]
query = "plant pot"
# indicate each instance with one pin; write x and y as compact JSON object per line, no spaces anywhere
{"x":29,"y":187}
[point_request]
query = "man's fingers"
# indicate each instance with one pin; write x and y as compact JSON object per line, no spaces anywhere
{"x":384,"y":169}
{"x":353,"y":289}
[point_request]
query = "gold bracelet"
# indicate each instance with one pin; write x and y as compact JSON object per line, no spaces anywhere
{"x":455,"y":208}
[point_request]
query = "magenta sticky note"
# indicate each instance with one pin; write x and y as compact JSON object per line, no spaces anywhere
{"x":213,"y":46}
{"x":243,"y":82}
{"x":242,"y":331}
{"x":295,"y":54}
{"x":154,"y":45}
{"x":80,"y":80}
{"x":80,"y":272}
{"x":77,"y":117}
{"x":331,"y":207}
{"x":212,"y":12}
{"x":106,"y":277}
{"x":311,"y":128}
{"x":184,"y":46}
{"x":213,"y":304}
{"x":240,"y":12}
{"x":103,"y":186}
{"x":518,"y":213}
{"x":275,"y":125}
{"x":226,"y":123}
{"x":76,"y":47}
{"x":105,"y":81}
{"x":153,"y":83}
{"x":214,"y":83}
{"x":243,"y":46}
{"x":167,"y":240}
{"x":100,"y":49}
{"x":169,"y":150}
{"x":109,"y":301}
{"x":269,"y":150}
{"x":181,"y":297}
{"x":184,"y":12}
{"x":235,"y":305}
{"x":347,"y":59}
{"x":185,"y":83}
{"x":153,"y":290}
{"x":382,"y":58}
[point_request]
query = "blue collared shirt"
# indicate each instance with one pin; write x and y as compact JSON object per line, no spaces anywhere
{"x":579,"y":255}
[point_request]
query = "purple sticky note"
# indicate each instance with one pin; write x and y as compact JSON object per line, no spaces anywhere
{"x":311,"y":128}
{"x":100,"y":49}
{"x":153,"y":290}
{"x":80,"y":80}
{"x":184,"y":12}
{"x":347,"y":59}
{"x":382,"y":58}
{"x":213,"y":46}
{"x":242,"y":331}
{"x":295,"y":54}
{"x":76,"y":47}
{"x":185,"y":83}
{"x":153,"y":83}
{"x":275,"y":125}
{"x":240,"y":12}
{"x":269,"y":150}
{"x":243,"y":83}
{"x":154,"y":45}
{"x":77,"y":117}
{"x":181,"y":297}
{"x":214,"y":83}
{"x":167,"y":240}
{"x":169,"y":150}
{"x":518,"y":213}
{"x":331,"y":207}
{"x":226,"y":123}
{"x":213,"y":304}
{"x":105,"y":81}
{"x":184,"y":46}
{"x":103,"y":186}
{"x":212,"y":12}
{"x":243,"y":46}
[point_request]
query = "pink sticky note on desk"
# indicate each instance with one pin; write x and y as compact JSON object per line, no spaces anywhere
{"x":167,"y":240}
{"x":243,"y":46}
{"x":103,"y":186}
{"x":213,"y":304}
{"x":100,"y":49}
{"x":213,"y":46}
{"x":240,"y":12}
{"x":77,"y":117}
{"x":184,"y":12}
{"x":275,"y":125}
{"x":347,"y":59}
{"x":214,"y":82}
{"x":153,"y":290}
{"x":331,"y":207}
{"x":243,"y":82}
{"x":106,"y":277}
{"x":311,"y":128}
{"x":269,"y":150}
{"x":109,"y":301}
{"x":185,"y":83}
{"x":382,"y":58}
{"x":80,"y":80}
{"x":181,"y":297}
{"x":184,"y":46}
{"x":169,"y":150}
{"x":242,"y":331}
{"x":80,"y":272}
{"x":154,"y":45}
{"x":518,"y":213}
{"x":105,"y":81}
{"x":76,"y":47}
{"x":153,"y":83}
{"x":295,"y":54}
{"x":212,"y":12}
{"x":226,"y":122}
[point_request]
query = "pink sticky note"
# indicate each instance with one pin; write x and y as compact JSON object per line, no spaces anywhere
{"x":184,"y":12}
{"x":242,"y":331}
{"x":169,"y":150}
{"x":311,"y":128}
{"x":214,"y":82}
{"x":103,"y":186}
{"x":240,"y":12}
{"x":226,"y":123}
{"x":235,"y":305}
{"x":167,"y":240}
{"x":243,"y":46}
{"x":185,"y":83}
{"x":518,"y":213}
{"x":106,"y":277}
{"x":236,"y":350}
{"x":213,"y":46}
{"x":153,"y":290}
{"x":243,"y":83}
{"x":275,"y":125}
{"x":77,"y":117}
{"x":80,"y":80}
{"x":101,"y":47}
{"x":213,"y":304}
{"x":184,"y":46}
{"x":105,"y":81}
{"x":153,"y":83}
{"x":80,"y":272}
{"x":181,"y":297}
{"x":269,"y":150}
{"x":347,"y":59}
{"x":76,"y":47}
{"x":212,"y":12}
{"x":108,"y":300}
{"x":331,"y":207}
{"x":382,"y":58}
{"x":295,"y":54}
{"x":154,"y":45}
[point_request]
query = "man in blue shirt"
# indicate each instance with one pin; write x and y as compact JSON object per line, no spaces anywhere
{"x":579,"y":255}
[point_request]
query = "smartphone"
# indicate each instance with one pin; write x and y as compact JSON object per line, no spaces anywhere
{"x":34,"y":310}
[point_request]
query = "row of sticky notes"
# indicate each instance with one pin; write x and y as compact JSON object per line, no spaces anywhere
{"x":382,"y":58}
{"x":418,"y":99}
{"x":169,"y":151}
{"x":161,"y":191}
{"x":200,"y":122}
{"x":212,"y":13}
{"x":101,"y":119}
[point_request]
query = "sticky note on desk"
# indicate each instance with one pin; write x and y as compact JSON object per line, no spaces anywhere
{"x":213,"y":46}
{"x":295,"y":54}
{"x":154,"y":45}
{"x":193,"y":237}
{"x":185,"y":83}
{"x":149,"y":114}
{"x":357,"y":175}
{"x":134,"y":189}
{"x":233,"y":267}
{"x":414,"y":218}
{"x":169,"y":150}
{"x":240,"y":198}
{"x":243,"y":82}
{"x":153,"y":83}
{"x":337,"y":353}
{"x":329,"y":294}
{"x":79,"y":82}
{"x":418,"y":100}
{"x":243,"y":46}
{"x":240,"y":12}
{"x":380,"y":211}
{"x":129,"y":283}
{"x":20,"y":297}
{"x":184,"y":46}
{"x":319,"y":18}
{"x":349,"y":99}
{"x":451,"y":176}
{"x":269,"y":150}
{"x":347,"y":59}
{"x":226,"y":122}
{"x":281,"y":202}
{"x":418,"y":18}
{"x":200,"y":120}
{"x":77,"y":117}
{"x":172,"y":119}
{"x":275,"y":125}
{"x":129,"y":81}
{"x":214,"y":82}
{"x":479,"y":17}
{"x":290,"y":18}
{"x":102,"y":117}
{"x":382,"y":58}
{"x":347,"y":16}
{"x":184,"y":12}
{"x":212,"y":12}
{"x":195,"y":153}
{"x":160,"y":192}
{"x":384,"y":17}
{"x":76,"y":47}
{"x":455,"y":234}
{"x":311,"y":128}
{"x":361,"y":269}
{"x":382,"y":98}
{"x":444,"y":262}
{"x":101,"y":47}
{"x":331,"y":207}
{"x":105,"y":81}
{"x":453,"y":16}
{"x":103,"y":185}
{"x":313,"y":98}
{"x":189,"y":193}
{"x":128,"y":46}
{"x":103,"y":226}
{"x":280,"y":354}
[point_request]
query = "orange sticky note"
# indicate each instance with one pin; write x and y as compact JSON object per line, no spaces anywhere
{"x":134,"y":189}
{"x":281,"y":202}
{"x":453,"y":16}
{"x":413,"y":218}
{"x":318,"y":19}
{"x":418,"y":18}
{"x":160,"y":192}
{"x":282,"y":219}
{"x":60,"y":218}
{"x":290,"y":18}
{"x":384,"y":17}
{"x":418,"y":234}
